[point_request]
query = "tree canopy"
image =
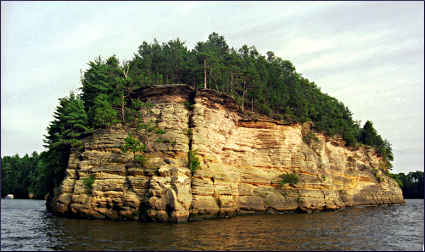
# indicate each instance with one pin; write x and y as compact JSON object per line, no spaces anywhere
{"x":412,"y":184}
{"x":23,"y":175}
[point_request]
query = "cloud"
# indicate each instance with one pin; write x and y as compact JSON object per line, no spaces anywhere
{"x":28,"y":140}
{"x":82,"y":36}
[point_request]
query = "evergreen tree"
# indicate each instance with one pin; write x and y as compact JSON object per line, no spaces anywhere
{"x":102,"y":112}
{"x":70,"y":124}
{"x":100,"y":78}
{"x":368,"y":134}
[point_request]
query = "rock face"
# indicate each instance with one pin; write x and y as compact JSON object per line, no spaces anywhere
{"x":241,"y":159}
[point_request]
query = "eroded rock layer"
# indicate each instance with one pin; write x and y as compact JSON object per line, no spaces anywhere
{"x":242,"y":161}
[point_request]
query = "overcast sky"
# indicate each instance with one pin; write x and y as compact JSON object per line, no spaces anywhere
{"x":369,"y":55}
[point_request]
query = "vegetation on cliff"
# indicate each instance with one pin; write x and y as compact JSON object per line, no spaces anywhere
{"x":265,"y":84}
{"x":291,"y":178}
{"x":194,"y":163}
{"x":134,"y":146}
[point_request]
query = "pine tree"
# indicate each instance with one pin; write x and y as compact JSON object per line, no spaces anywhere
{"x":102,"y":112}
{"x":70,"y":124}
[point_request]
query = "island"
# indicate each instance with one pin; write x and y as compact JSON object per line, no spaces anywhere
{"x":178,"y":134}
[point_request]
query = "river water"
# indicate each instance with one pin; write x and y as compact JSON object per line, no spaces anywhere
{"x":26,"y":225}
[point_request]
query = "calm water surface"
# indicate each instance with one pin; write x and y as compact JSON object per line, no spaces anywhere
{"x":25,"y":225}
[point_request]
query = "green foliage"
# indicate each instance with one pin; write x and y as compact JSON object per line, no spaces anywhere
{"x":137,"y":104}
{"x":349,"y":135}
{"x":133,"y":145}
{"x":99,"y":79}
{"x":102,"y":112}
{"x":159,"y":131}
{"x":309,"y":137}
{"x":141,"y":159}
{"x":323,"y":177}
{"x":69,"y":125}
{"x":369,"y":136}
{"x":194,"y":163}
{"x":23,"y":175}
{"x":188,"y":105}
{"x":133,"y":111}
{"x":149,"y":127}
{"x":64,"y":133}
{"x":265,"y":109}
{"x":290,"y":178}
{"x":412,"y":184}
{"x":88,"y":182}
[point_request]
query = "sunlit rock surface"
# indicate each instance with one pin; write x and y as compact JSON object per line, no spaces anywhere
{"x":242,"y":159}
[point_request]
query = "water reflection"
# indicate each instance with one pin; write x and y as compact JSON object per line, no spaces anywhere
{"x":383,"y":228}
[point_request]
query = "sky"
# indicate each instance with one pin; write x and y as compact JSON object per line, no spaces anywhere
{"x":369,"y":55}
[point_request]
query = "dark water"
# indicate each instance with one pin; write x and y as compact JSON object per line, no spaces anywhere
{"x":25,"y":225}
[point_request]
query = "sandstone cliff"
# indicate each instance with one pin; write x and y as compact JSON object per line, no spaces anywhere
{"x":242,"y":160}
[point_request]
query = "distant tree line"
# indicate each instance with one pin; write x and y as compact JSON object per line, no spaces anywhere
{"x":259,"y":83}
{"x":23,"y":175}
{"x":412,"y":184}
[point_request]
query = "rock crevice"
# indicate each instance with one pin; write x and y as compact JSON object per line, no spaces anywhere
{"x":241,"y":159}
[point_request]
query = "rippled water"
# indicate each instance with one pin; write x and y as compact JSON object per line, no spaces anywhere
{"x":25,"y":225}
